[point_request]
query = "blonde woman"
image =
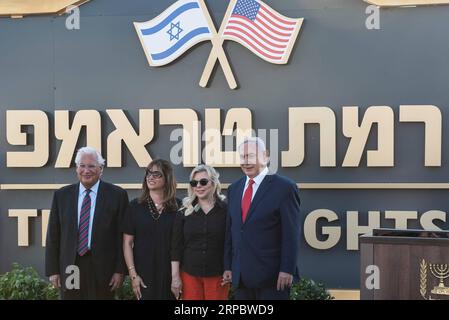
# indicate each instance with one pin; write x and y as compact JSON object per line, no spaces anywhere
{"x":198,"y":239}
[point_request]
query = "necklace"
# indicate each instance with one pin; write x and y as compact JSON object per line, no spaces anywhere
{"x":154,"y":211}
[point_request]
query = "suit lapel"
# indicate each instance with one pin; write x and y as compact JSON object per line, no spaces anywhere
{"x":239,"y":195}
{"x":99,"y":210}
{"x":73,"y":207}
{"x":263,"y":188}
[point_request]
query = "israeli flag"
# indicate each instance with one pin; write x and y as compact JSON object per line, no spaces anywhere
{"x":173,"y":32}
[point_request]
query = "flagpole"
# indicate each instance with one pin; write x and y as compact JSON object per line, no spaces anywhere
{"x":217,"y":51}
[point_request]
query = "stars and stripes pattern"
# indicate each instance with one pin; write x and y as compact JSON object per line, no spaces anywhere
{"x":262,"y":30}
{"x":83,"y":226}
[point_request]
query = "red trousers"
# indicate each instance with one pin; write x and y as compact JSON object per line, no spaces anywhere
{"x":203,"y":288}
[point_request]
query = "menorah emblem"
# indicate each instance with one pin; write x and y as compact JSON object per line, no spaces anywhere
{"x":440,"y":271}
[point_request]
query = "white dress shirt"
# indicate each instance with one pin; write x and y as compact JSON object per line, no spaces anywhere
{"x":257,"y":181}
{"x":93,"y":199}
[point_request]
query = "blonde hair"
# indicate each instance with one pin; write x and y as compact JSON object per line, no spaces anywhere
{"x":189,"y":202}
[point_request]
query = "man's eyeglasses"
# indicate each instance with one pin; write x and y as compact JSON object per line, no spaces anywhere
{"x":203,"y":182}
{"x":85,"y":166}
{"x":154,"y":174}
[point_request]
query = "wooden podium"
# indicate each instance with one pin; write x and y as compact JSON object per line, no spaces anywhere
{"x":411,"y":264}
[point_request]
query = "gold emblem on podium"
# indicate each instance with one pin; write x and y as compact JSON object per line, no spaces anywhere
{"x":438,"y":270}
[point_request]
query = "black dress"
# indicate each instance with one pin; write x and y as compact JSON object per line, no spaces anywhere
{"x":152,"y":237}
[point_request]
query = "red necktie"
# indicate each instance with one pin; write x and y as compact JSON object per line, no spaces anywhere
{"x":246,"y":201}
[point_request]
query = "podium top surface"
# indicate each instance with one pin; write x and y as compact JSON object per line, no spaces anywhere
{"x":411,"y":233}
{"x":406,"y":236}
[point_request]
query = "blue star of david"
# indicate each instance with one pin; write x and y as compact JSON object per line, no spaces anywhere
{"x":172,"y":33}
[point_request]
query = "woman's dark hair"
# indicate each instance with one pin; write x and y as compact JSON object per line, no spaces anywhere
{"x":165,"y":167}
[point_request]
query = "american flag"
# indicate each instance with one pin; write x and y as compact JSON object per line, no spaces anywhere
{"x":262,"y":30}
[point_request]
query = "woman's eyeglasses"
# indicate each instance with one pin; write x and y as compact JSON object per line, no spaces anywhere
{"x":154,"y":174}
{"x":203,"y":182}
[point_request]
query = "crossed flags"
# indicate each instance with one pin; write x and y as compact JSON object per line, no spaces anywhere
{"x":185,"y":23}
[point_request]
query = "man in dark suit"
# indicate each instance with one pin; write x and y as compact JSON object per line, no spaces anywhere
{"x":263,"y":229}
{"x":84,"y":231}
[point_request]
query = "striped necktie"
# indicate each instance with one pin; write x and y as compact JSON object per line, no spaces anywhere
{"x":83,"y":229}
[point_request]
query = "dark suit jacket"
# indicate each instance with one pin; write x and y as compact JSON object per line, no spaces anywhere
{"x":267,"y":243}
{"x":106,"y":245}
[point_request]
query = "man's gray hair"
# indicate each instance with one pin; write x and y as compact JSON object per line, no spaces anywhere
{"x":256,"y":140}
{"x":89,"y":151}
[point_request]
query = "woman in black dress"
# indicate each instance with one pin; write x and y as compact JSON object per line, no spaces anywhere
{"x":147,"y":232}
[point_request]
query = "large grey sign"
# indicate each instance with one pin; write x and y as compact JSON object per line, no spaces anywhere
{"x":398,"y":67}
